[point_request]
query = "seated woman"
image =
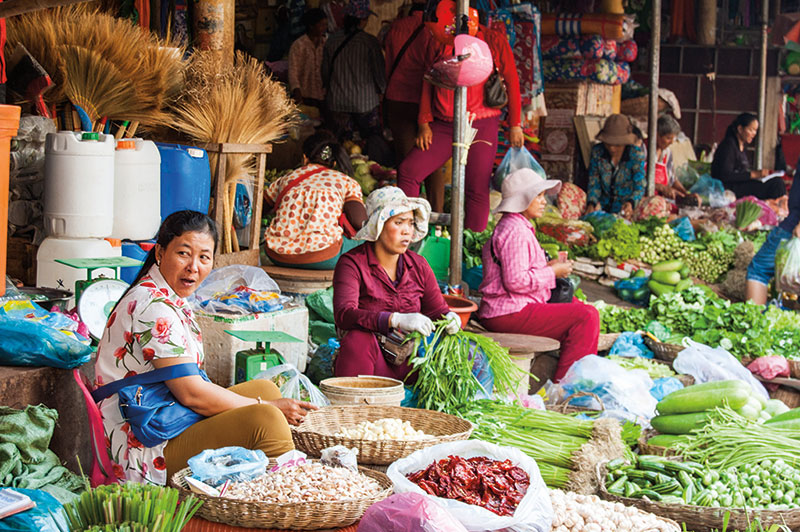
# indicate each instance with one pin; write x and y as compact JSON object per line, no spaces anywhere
{"x":381,"y":285}
{"x":153,"y":327}
{"x":666,"y":184}
{"x":617,"y":180}
{"x":732,"y":167}
{"x":317,"y":207}
{"x":517,"y":278}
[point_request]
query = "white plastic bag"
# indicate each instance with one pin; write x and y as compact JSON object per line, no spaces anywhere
{"x":787,"y":266}
{"x":294,"y":385}
{"x":408,"y":511}
{"x":534,"y":513}
{"x":219,"y":294}
{"x":707,"y":364}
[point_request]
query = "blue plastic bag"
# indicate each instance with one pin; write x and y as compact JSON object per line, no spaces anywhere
{"x":626,"y":289}
{"x":515,"y":159}
{"x":630,"y":344}
{"x":601,"y":222}
{"x":30,"y":343}
{"x":711,"y":190}
{"x":683,"y":228}
{"x":46,"y":516}
{"x":664,"y":386}
{"x":237,"y":464}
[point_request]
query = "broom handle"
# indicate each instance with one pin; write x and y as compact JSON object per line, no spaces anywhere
{"x":132,"y":129}
{"x":234,"y":236}
{"x":11,"y":8}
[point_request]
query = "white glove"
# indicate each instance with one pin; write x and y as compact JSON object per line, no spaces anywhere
{"x":415,"y":322}
{"x":453,"y":323}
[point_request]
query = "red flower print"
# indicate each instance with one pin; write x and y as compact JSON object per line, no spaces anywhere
{"x":159,"y":463}
{"x":118,"y":471}
{"x":128,"y":337}
{"x":98,"y":381}
{"x":144,"y":469}
{"x":133,"y":442}
{"x":131,"y":307}
{"x":130,"y":374}
{"x":111,"y":319}
{"x":126,"y":427}
{"x":161,"y":330}
{"x":165,"y":291}
{"x":148,"y":285}
{"x":149,"y":353}
{"x":108,"y":442}
{"x":120,"y":353}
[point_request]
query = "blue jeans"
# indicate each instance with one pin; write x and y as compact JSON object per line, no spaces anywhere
{"x":762,"y":267}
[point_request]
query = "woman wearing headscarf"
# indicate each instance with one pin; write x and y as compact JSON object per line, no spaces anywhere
{"x":382,"y":286}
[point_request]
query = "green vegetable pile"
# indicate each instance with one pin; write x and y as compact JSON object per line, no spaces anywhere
{"x":620,"y":242}
{"x":474,"y":242}
{"x":747,"y":212}
{"x":664,"y":245}
{"x":656,"y":370}
{"x":615,"y":319}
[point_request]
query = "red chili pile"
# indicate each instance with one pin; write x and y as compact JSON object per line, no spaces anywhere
{"x":497,"y":486}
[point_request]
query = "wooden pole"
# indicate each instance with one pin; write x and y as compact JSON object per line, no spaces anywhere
{"x":707,"y":22}
{"x":214,"y":27}
{"x":655,"y":65}
{"x":12,"y":8}
{"x":762,"y":85}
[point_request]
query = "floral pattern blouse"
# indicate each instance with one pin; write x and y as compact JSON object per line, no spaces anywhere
{"x":611,"y":186}
{"x":151,"y":321}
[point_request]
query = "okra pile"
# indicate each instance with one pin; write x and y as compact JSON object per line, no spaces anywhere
{"x":772,"y":485}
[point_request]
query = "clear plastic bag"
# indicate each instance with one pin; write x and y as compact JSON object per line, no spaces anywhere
{"x":683,"y":228}
{"x":630,"y":344}
{"x":534,"y":513}
{"x":664,"y":386}
{"x":294,"y":385}
{"x":707,"y":364}
{"x":712,"y":191}
{"x":515,"y":159}
{"x":238,"y":289}
{"x":787,"y":266}
{"x":340,"y":456}
{"x":408,"y":511}
{"x":237,"y":464}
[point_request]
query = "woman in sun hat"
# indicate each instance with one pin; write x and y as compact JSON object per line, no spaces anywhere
{"x":518,"y":276}
{"x":381,"y":286}
{"x":617,"y":179}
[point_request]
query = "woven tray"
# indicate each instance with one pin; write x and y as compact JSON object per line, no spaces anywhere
{"x":645,"y":448}
{"x":311,"y":515}
{"x":794,"y":369}
{"x":662,"y":351}
{"x":564,"y":407}
{"x":317,"y":431}
{"x":704,"y":518}
{"x":606,"y":341}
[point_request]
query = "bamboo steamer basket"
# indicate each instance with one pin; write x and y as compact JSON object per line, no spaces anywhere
{"x":363,"y":390}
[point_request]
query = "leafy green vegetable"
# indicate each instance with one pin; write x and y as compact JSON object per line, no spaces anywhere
{"x":615,"y":319}
{"x":474,"y":242}
{"x":747,"y":212}
{"x":620,"y":242}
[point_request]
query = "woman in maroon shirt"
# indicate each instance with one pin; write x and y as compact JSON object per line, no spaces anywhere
{"x":381,"y":285}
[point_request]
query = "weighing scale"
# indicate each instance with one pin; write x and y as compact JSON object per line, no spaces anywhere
{"x":96,"y":297}
{"x":251,"y":362}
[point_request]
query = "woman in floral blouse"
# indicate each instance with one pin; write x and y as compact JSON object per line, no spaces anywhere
{"x":153,"y":327}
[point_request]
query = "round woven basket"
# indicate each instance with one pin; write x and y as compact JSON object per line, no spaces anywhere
{"x":318,"y":431}
{"x":606,"y":341}
{"x":662,"y":351}
{"x":565,"y":408}
{"x":310,"y":515}
{"x":794,"y":368}
{"x":645,"y":448}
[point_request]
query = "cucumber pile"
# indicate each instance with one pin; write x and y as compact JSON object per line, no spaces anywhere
{"x":669,"y":276}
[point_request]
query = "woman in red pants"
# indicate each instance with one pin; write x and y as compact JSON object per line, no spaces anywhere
{"x":517,"y":277}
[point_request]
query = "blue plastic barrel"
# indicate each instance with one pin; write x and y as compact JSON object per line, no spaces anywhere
{"x":134,"y":251}
{"x":185,"y":179}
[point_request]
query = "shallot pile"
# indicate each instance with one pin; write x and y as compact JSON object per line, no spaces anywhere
{"x":497,"y":486}
{"x":382,"y":429}
{"x":306,"y":482}
{"x":588,"y":513}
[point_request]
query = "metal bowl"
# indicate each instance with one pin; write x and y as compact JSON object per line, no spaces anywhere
{"x":47,"y":298}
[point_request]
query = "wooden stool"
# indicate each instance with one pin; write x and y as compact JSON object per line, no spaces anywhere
{"x":297,"y":281}
{"x":536,"y":354}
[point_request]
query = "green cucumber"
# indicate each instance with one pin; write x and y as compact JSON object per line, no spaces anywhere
{"x":683,"y":285}
{"x":615,"y":464}
{"x":786,"y":416}
{"x":630,"y":489}
{"x":651,"y":465}
{"x":639,"y":273}
{"x":666,"y":440}
{"x":704,"y":397}
{"x":671,"y":278}
{"x":659,"y":289}
{"x":688,"y":493}
{"x":776,"y":407}
{"x":685,"y":272}
{"x":793,"y":424}
{"x":668,"y":266}
{"x":650,"y":494}
{"x":680,"y":423}
{"x":618,"y":486}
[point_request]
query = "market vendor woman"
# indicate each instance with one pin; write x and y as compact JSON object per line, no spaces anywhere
{"x":381,"y":285}
{"x":152,"y":327}
{"x":518,"y":278}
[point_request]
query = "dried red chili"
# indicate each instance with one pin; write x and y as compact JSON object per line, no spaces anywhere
{"x":497,"y":486}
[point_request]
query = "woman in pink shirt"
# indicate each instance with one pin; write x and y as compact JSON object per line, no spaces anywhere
{"x":518,"y":278}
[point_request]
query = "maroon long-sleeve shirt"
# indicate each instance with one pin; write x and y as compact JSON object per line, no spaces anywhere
{"x":364,"y":296}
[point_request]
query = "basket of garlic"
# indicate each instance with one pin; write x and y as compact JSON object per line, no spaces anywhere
{"x":382,"y":434}
{"x":308,"y":496}
{"x":588,"y":513}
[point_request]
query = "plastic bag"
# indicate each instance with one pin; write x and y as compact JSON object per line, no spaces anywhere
{"x":515,"y":159}
{"x":768,"y":216}
{"x":712,"y":191}
{"x":238,"y":289}
{"x":340,"y":456}
{"x":770,"y":367}
{"x":534,"y":513}
{"x":320,"y":367}
{"x":664,"y":386}
{"x":630,"y":344}
{"x":687,"y":175}
{"x":707,"y":364}
{"x":787,"y":266}
{"x":46,"y":516}
{"x":408,"y":511}
{"x":237,"y":464}
{"x":683,"y":228}
{"x":321,"y":302}
{"x":294,"y":385}
{"x":601,"y":222}
{"x":619,"y":389}
{"x":30,"y":343}
{"x":633,"y":290}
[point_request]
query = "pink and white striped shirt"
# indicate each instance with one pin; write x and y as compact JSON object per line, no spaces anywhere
{"x":522,"y":276}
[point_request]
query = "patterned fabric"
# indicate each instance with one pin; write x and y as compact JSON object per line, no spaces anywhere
{"x":576,"y":24}
{"x":627,"y":51}
{"x":611,"y":186}
{"x":386,"y":202}
{"x":358,"y":77}
{"x":307,"y":218}
{"x":305,"y":68}
{"x":524,"y":36}
{"x":571,"y":201}
{"x":652,"y":206}
{"x":589,"y":47}
{"x":523,"y":276}
{"x":358,"y":9}
{"x":596,"y":70}
{"x":150,"y":322}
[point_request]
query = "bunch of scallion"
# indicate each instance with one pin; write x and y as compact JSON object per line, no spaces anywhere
{"x":444,"y":378}
{"x":130,"y":508}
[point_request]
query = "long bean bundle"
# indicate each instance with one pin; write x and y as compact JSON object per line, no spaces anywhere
{"x":530,"y":418}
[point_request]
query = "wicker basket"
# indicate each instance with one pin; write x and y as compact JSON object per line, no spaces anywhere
{"x":794,"y":369}
{"x":645,"y":448}
{"x":564,"y":407}
{"x":662,"y":351}
{"x":311,"y":515}
{"x":317,"y":431}
{"x":606,"y":341}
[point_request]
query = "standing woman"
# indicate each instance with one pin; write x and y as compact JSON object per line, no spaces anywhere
{"x":434,"y":144}
{"x":732,"y":167}
{"x":153,"y":327}
{"x":518,"y":278}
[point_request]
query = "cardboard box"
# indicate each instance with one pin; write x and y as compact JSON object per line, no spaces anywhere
{"x":558,"y":143}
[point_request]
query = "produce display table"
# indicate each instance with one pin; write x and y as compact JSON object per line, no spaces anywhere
{"x":298,"y":281}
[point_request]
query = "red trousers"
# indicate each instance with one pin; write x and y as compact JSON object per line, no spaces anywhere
{"x":576,"y":325}
{"x":360,"y":354}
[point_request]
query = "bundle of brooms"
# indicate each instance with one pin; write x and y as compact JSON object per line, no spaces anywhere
{"x":239,"y":103}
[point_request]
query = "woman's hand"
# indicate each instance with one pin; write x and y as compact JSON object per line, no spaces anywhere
{"x":562,"y":268}
{"x":515,"y":137}
{"x":759,"y":174}
{"x":665,"y":190}
{"x":414,"y":322}
{"x":424,"y":137}
{"x":627,"y":210}
{"x":295,"y":411}
{"x":453,"y":323}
